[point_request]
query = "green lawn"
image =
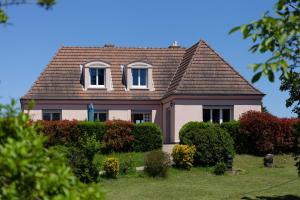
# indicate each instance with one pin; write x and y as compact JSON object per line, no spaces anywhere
{"x":253,"y":182}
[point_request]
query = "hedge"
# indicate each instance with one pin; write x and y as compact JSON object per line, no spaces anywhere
{"x":240,"y":142}
{"x":213,"y":144}
{"x":115,"y":135}
{"x":97,"y":128}
{"x":147,"y":137}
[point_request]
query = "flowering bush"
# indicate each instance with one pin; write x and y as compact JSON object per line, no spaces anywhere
{"x":118,"y":136}
{"x":266,"y":133}
{"x":183,"y":156}
{"x":59,"y":132}
{"x":111,"y":167}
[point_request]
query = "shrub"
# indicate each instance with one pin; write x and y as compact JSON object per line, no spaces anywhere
{"x":240,"y":141}
{"x":118,"y":136}
{"x":126,"y":165}
{"x":213,"y":144}
{"x":183,"y":156}
{"x":82,"y":165}
{"x":157,"y":163}
{"x":220,"y":168}
{"x":111,"y":167}
{"x":266,"y":133}
{"x":81,"y":156}
{"x":147,"y":137}
{"x":28,"y":170}
{"x":60,"y":132}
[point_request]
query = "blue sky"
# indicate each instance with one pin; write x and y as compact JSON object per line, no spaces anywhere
{"x":29,"y":43}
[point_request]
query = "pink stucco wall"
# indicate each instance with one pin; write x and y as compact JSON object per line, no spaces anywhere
{"x":186,"y":110}
{"x":116,"y":109}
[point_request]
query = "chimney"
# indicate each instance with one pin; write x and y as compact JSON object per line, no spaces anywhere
{"x":109,"y":45}
{"x":174,"y":45}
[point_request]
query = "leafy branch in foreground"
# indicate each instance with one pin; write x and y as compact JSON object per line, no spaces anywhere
{"x":278,"y":34}
{"x":47,"y":4}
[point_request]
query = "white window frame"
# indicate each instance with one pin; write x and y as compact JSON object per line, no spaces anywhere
{"x":139,"y":86}
{"x":143,"y":113}
{"x":97,"y":78}
{"x":149,"y":79}
{"x":51,"y":112}
{"x":220,"y":108}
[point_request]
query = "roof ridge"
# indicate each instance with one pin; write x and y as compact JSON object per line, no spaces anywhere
{"x":191,"y":61}
{"x":118,"y":47}
{"x":167,"y":91}
{"x":229,"y":65}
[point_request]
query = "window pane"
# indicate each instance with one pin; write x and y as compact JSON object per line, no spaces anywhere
{"x":216,"y":116}
{"x":137,"y":118}
{"x":96,"y":117}
{"x":206,"y":115}
{"x":143,"y":77}
{"x":226,"y":115}
{"x":101,"y":76}
{"x":93,"y":76}
{"x":102,"y":117}
{"x":135,"y":77}
{"x":147,"y":117}
{"x":46,"y":116}
{"x":55,"y":116}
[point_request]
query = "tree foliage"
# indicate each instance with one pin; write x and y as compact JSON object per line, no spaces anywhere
{"x":292,"y":85}
{"x":47,"y":4}
{"x":30,"y":171}
{"x":277,"y":33}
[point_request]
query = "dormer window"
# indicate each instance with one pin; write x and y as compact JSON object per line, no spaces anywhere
{"x":97,"y":77}
{"x":139,"y":78}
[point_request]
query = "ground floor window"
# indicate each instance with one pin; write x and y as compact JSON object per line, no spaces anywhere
{"x":101,"y":116}
{"x":217,"y":114}
{"x":51,"y":115}
{"x":138,"y":117}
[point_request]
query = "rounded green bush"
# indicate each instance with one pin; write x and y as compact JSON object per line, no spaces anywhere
{"x":213,"y":144}
{"x":147,"y":137}
{"x":220,"y":168}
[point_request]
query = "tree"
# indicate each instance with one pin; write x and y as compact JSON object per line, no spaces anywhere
{"x":47,"y":4}
{"x":279,"y":35}
{"x":30,"y":171}
{"x":292,"y":85}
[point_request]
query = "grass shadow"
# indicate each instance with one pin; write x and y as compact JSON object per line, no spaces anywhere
{"x":285,"y":197}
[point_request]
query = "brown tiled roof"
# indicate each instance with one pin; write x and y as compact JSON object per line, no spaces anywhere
{"x":203,"y":71}
{"x":197,"y":70}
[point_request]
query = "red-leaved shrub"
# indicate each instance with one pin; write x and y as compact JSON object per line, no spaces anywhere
{"x":266,"y":133}
{"x":60,"y":132}
{"x":118,"y":136}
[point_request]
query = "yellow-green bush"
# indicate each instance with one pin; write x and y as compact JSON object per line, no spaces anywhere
{"x":111,"y":167}
{"x":183,"y":156}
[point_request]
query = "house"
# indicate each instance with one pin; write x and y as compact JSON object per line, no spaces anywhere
{"x":169,"y":86}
